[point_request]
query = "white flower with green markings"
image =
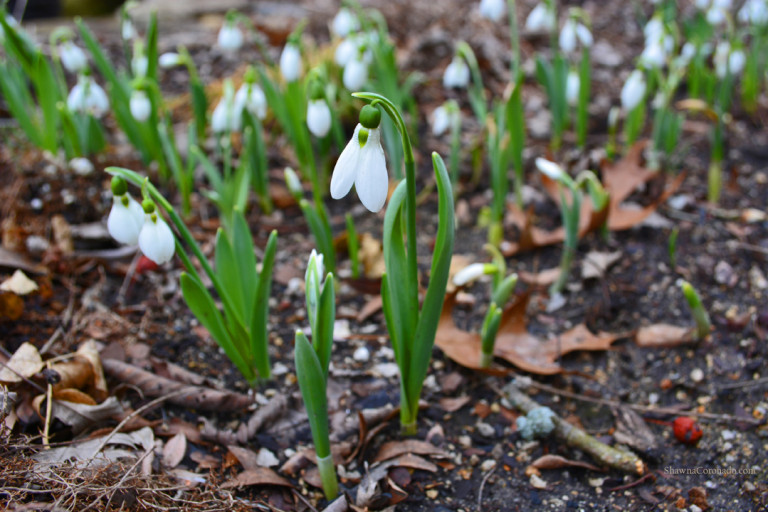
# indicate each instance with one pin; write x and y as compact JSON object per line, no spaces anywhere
{"x":156,"y":239}
{"x":126,"y":216}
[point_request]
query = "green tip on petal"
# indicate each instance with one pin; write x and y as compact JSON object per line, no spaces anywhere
{"x":316,"y":91}
{"x":362,"y":136}
{"x":148,"y":205}
{"x":119,"y":186}
{"x":370,"y":117}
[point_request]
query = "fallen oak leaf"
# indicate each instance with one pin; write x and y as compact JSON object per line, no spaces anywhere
{"x":174,"y":450}
{"x":80,"y":416}
{"x":257,"y":476}
{"x":24,"y":363}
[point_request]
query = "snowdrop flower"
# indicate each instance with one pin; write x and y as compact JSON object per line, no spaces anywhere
{"x":72,"y":57}
{"x":126,"y":216}
{"x":156,"y":239}
{"x":345,"y":51}
{"x":362,"y":163}
{"x":572,"y":86}
{"x":441,"y":120}
{"x":654,"y":56}
{"x":251,"y":97}
{"x":456,"y":74}
{"x":290,"y":62}
{"x":127,"y":30}
{"x":716,"y":15}
{"x":344,"y":22}
{"x":653,"y":30}
{"x":169,"y":60}
{"x":492,"y":9}
{"x":230,"y":37}
{"x":355,"y":74}
{"x":139,"y":65}
{"x":473,"y":272}
{"x":313,"y":276}
{"x":633,"y":91}
{"x":140,"y":105}
{"x":736,"y":61}
{"x":88,"y":97}
{"x":225,"y":117}
{"x":318,"y":117}
{"x":541,"y":19}
{"x":754,"y":11}
{"x":574,"y":31}
{"x":550,"y":169}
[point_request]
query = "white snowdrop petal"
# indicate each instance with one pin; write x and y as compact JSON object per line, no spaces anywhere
{"x":355,"y":75}
{"x":156,"y":240}
{"x":230,"y":37}
{"x":572,"y":87}
{"x":584,"y":35}
{"x":346,"y":167}
{"x":345,"y":51}
{"x":372,"y":180}
{"x":551,"y":169}
{"x":344,"y":22}
{"x":633,"y":91}
{"x":456,"y":74}
{"x":124,"y":223}
{"x":169,"y":60}
{"x":440,"y":121}
{"x":73,"y":58}
{"x":318,"y":118}
{"x":492,"y":9}
{"x":469,"y":274}
{"x":140,"y":106}
{"x":290,"y":63}
{"x":567,"y":37}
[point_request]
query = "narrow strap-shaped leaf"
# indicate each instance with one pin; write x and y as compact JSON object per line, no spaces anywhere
{"x":151,"y":51}
{"x":322,"y":340}
{"x":210,"y":170}
{"x":201,"y":303}
{"x":424,"y":337}
{"x":318,"y":229}
{"x":226,"y":269}
{"x":20,"y":102}
{"x":242,"y":243}
{"x":48,"y":96}
{"x":313,"y":388}
{"x":260,"y":313}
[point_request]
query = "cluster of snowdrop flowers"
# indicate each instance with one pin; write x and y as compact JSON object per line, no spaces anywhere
{"x":362,"y":163}
{"x":494,"y":10}
{"x":716,"y":10}
{"x":633,"y":91}
{"x":728,"y":60}
{"x":132,"y":223}
{"x":456,"y":75}
{"x":318,"y":112}
{"x":573,"y":32}
{"x":88,"y":97}
{"x":72,"y":57}
{"x":228,"y":114}
{"x":354,"y":55}
{"x":754,"y":12}
{"x":659,"y":44}
{"x":542,"y":18}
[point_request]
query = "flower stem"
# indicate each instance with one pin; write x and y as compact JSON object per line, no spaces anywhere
{"x":328,"y":477}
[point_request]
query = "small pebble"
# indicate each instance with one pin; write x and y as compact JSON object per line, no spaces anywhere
{"x":362,"y":354}
{"x":294,"y":286}
{"x":432,"y":494}
{"x":488,"y":465}
{"x":266,"y":458}
{"x":728,"y":435}
{"x":486,"y":430}
{"x":36,"y":203}
{"x":697,"y":375}
{"x":465,"y":441}
{"x":537,"y":482}
{"x":81,"y":166}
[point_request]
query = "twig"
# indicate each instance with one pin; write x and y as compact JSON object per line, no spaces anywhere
{"x":48,"y":410}
{"x":745,"y":384}
{"x":637,"y":482}
{"x":482,"y":486}
{"x":303,"y":500}
{"x":725,"y":418}
{"x":627,"y":462}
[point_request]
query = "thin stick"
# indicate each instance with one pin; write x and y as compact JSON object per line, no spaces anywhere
{"x":480,"y":491}
{"x":48,"y":409}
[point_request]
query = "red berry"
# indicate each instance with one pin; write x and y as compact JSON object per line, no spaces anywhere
{"x":687,"y":430}
{"x":145,"y":265}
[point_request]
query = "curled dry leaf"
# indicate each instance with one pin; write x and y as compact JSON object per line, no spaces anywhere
{"x":663,"y":335}
{"x":92,"y":448}
{"x":257,"y":476}
{"x":80,"y":416}
{"x":393,"y":449}
{"x":247,"y":458}
{"x":514,"y":343}
{"x":24,"y":363}
{"x":174,"y":450}
{"x":556,"y":462}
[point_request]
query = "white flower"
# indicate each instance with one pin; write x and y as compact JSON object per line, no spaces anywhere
{"x":441,"y":120}
{"x":81,"y":166}
{"x":633,"y":91}
{"x":572,"y":86}
{"x":584,"y":35}
{"x":156,"y":239}
{"x":472,"y":273}
{"x":702,"y":4}
{"x":139,"y":65}
{"x":551,"y":169}
{"x":653,"y":56}
{"x":226,"y":117}
{"x":125,"y":219}
{"x":230,"y":37}
{"x":346,"y":51}
{"x":364,"y":166}
{"x":653,"y":30}
{"x":567,"y":37}
{"x":716,"y":15}
{"x":88,"y":97}
{"x":541,"y":19}
{"x":344,"y":22}
{"x":127,"y":30}
{"x":313,"y":276}
{"x":169,"y":60}
{"x":355,"y":74}
{"x":140,"y":105}
{"x":492,"y":9}
{"x":250,"y":97}
{"x":318,"y":117}
{"x":736,"y":62}
{"x":72,"y":57}
{"x":293,"y":183}
{"x":290,"y":62}
{"x":722,"y":60}
{"x":754,"y":11}
{"x":456,"y":74}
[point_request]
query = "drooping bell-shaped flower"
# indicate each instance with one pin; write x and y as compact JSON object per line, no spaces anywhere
{"x":156,"y":239}
{"x":126,"y":216}
{"x":754,"y":12}
{"x":290,"y":62}
{"x":127,"y":30}
{"x":567,"y":39}
{"x":140,"y":105}
{"x":169,"y":60}
{"x":318,"y":117}
{"x":633,"y":91}
{"x":572,"y":86}
{"x":736,"y":61}
{"x":73,"y":57}
{"x":251,"y":97}
{"x":344,"y":22}
{"x":88,"y":97}
{"x":355,"y":74}
{"x":493,"y":9}
{"x":444,"y":117}
{"x":550,"y":169}
{"x":473,"y":272}
{"x":362,"y":163}
{"x":226,"y":117}
{"x":230,"y":37}
{"x":456,"y":74}
{"x":541,"y":19}
{"x":346,"y":51}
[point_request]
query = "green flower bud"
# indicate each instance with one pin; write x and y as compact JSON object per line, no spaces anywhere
{"x":370,"y":117}
{"x":148,"y":205}
{"x":119,"y":186}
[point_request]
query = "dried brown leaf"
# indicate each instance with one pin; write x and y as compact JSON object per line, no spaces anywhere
{"x":393,"y":449}
{"x":556,"y":462}
{"x":257,"y":476}
{"x":543,"y":278}
{"x":174,"y":450}
{"x":247,"y":458}
{"x":19,"y":284}
{"x":449,"y":404}
{"x":73,"y":395}
{"x":25,"y":362}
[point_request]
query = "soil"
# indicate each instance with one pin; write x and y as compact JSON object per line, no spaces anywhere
{"x":89,"y":292}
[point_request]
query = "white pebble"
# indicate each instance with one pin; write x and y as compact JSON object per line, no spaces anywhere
{"x":362,"y":354}
{"x":728,"y":435}
{"x":697,"y":375}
